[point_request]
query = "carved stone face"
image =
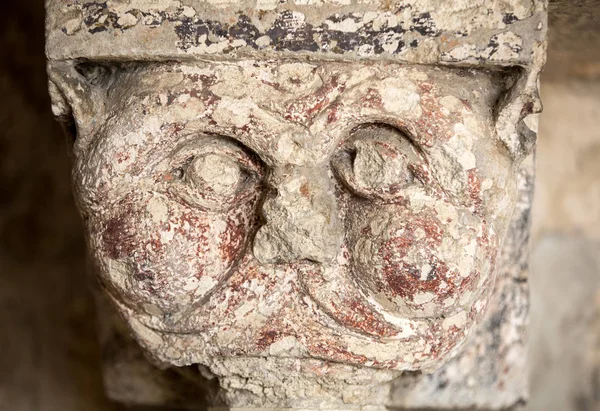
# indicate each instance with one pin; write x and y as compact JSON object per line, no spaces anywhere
{"x":347,"y":212}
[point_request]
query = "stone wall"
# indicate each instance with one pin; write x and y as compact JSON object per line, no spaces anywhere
{"x":565,"y":276}
{"x":565,"y":270}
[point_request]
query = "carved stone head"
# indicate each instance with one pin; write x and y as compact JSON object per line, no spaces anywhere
{"x":307,"y":188}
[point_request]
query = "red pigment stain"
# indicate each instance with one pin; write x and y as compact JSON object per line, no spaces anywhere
{"x":173,"y":128}
{"x":205,"y":95}
{"x":121,"y":157}
{"x":433,"y":124}
{"x":232,"y":240}
{"x":405,"y":280}
{"x":425,"y":87}
{"x":475,"y":190}
{"x":330,"y":351}
{"x":118,"y":237}
{"x":267,"y":338}
{"x":372,"y":99}
{"x":304,"y":109}
{"x":276,"y":86}
{"x":304,"y":190}
{"x":355,"y":314}
{"x":333,"y":115}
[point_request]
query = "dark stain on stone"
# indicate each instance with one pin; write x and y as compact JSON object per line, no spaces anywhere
{"x":287,"y":34}
{"x":190,"y":31}
{"x":245,"y":30}
{"x":509,"y":18}
{"x":425,"y":25}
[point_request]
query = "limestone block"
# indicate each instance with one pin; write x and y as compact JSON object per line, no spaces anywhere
{"x":318,"y":204}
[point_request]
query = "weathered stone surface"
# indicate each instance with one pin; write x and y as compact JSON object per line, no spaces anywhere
{"x":420,"y":31}
{"x":492,"y":370}
{"x":307,"y":228}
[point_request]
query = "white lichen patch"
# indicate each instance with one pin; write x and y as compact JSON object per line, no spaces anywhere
{"x":457,"y":320}
{"x":234,"y":112}
{"x":127,"y":20}
{"x":399,"y":96}
{"x":158,"y":209}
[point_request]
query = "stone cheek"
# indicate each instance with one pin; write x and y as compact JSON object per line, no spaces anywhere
{"x":347,"y":212}
{"x":414,"y":264}
{"x":161,"y":256}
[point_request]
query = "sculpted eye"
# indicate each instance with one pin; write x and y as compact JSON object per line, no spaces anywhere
{"x":216,"y":173}
{"x":378,"y":161}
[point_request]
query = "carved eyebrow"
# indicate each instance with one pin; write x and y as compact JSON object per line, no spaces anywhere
{"x":307,"y":108}
{"x":100,"y":74}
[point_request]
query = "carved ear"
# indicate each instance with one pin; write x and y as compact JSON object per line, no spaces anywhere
{"x":517,"y":114}
{"x":77,"y":91}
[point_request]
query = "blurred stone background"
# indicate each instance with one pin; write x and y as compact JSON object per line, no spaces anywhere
{"x":49,"y":356}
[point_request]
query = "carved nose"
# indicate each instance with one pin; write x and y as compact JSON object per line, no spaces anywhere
{"x":301,"y":220}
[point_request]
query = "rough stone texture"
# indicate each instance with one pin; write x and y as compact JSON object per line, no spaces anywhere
{"x":299,"y":208}
{"x":421,"y":31}
{"x":492,"y":370}
{"x":130,"y":378}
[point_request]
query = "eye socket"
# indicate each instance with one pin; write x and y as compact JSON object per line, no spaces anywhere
{"x":378,"y":162}
{"x":216,"y":173}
